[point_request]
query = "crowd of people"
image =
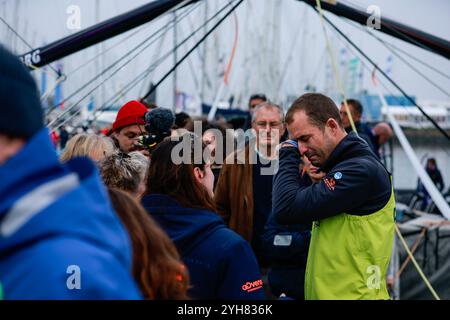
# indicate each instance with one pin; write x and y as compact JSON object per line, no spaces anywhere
{"x":300,"y":207}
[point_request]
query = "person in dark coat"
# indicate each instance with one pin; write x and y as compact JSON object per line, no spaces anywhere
{"x":435,"y":174}
{"x":356,"y":109}
{"x":63,"y":137}
{"x":286,"y":246}
{"x":221,"y":264}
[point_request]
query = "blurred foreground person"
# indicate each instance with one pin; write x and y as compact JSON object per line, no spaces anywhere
{"x":157,"y":267}
{"x":59,"y":236}
{"x":179,"y":197}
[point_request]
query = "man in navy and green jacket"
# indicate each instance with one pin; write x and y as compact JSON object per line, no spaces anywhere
{"x":352,"y":207}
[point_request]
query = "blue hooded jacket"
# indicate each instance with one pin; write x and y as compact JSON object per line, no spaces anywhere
{"x":59,"y":236}
{"x":221,"y":264}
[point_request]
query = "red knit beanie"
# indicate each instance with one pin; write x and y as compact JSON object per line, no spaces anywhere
{"x":130,"y":113}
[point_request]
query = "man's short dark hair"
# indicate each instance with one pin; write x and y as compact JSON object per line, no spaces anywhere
{"x":182,"y":119}
{"x":260,"y":96}
{"x":318,"y":107}
{"x":357,"y":106}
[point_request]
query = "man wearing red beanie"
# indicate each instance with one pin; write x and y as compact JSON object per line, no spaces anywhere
{"x":129,"y":126}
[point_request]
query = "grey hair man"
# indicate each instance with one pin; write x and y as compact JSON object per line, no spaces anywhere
{"x":244,"y":192}
{"x":127,"y":172}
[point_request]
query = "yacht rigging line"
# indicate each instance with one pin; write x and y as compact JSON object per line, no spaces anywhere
{"x":192,"y":49}
{"x":140,"y":77}
{"x":385,"y":86}
{"x":25,"y":42}
{"x":335,"y":70}
{"x":150,"y":41}
{"x":393,"y":51}
{"x":436,"y":125}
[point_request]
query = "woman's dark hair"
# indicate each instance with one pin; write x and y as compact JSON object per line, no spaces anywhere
{"x":178,"y":180}
{"x":157,"y":267}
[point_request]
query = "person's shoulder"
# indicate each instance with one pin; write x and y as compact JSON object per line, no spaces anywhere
{"x":62,"y":267}
{"x":355,"y":165}
{"x":361,"y":171}
{"x":227,"y":239}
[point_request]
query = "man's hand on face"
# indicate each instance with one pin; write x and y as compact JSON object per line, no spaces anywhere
{"x":314,"y":175}
{"x":311,"y":170}
{"x":140,"y":148}
{"x":145,"y":152}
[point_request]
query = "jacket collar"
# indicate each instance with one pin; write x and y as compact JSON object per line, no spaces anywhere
{"x":160,"y":200}
{"x":351,"y":146}
{"x":357,"y":127}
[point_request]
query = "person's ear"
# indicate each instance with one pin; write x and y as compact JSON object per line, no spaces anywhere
{"x":283,"y":129}
{"x":289,"y":134}
{"x":332,"y":125}
{"x":198,"y":173}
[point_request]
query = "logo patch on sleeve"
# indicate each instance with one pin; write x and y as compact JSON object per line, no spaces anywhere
{"x":338,"y":175}
{"x":252,"y":286}
{"x":330,"y":183}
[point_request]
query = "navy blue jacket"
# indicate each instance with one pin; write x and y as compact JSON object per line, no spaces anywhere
{"x":286,"y":250}
{"x":56,"y":223}
{"x":221,"y":264}
{"x":355,"y":183}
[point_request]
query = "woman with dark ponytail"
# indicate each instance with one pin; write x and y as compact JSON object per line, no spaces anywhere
{"x":179,"y":197}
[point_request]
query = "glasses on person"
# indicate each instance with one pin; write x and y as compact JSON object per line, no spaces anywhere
{"x":272,"y":124}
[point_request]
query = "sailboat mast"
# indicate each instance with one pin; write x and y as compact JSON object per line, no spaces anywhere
{"x":100,"y":32}
{"x":175,"y":59}
{"x":393,"y":28}
{"x":205,"y":53}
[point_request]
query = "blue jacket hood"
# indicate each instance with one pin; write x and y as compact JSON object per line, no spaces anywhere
{"x":66,"y":215}
{"x":221,"y":264}
{"x":77,"y":213}
{"x":187,"y":227}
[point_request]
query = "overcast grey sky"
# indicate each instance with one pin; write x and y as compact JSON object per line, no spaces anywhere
{"x":272,"y":34}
